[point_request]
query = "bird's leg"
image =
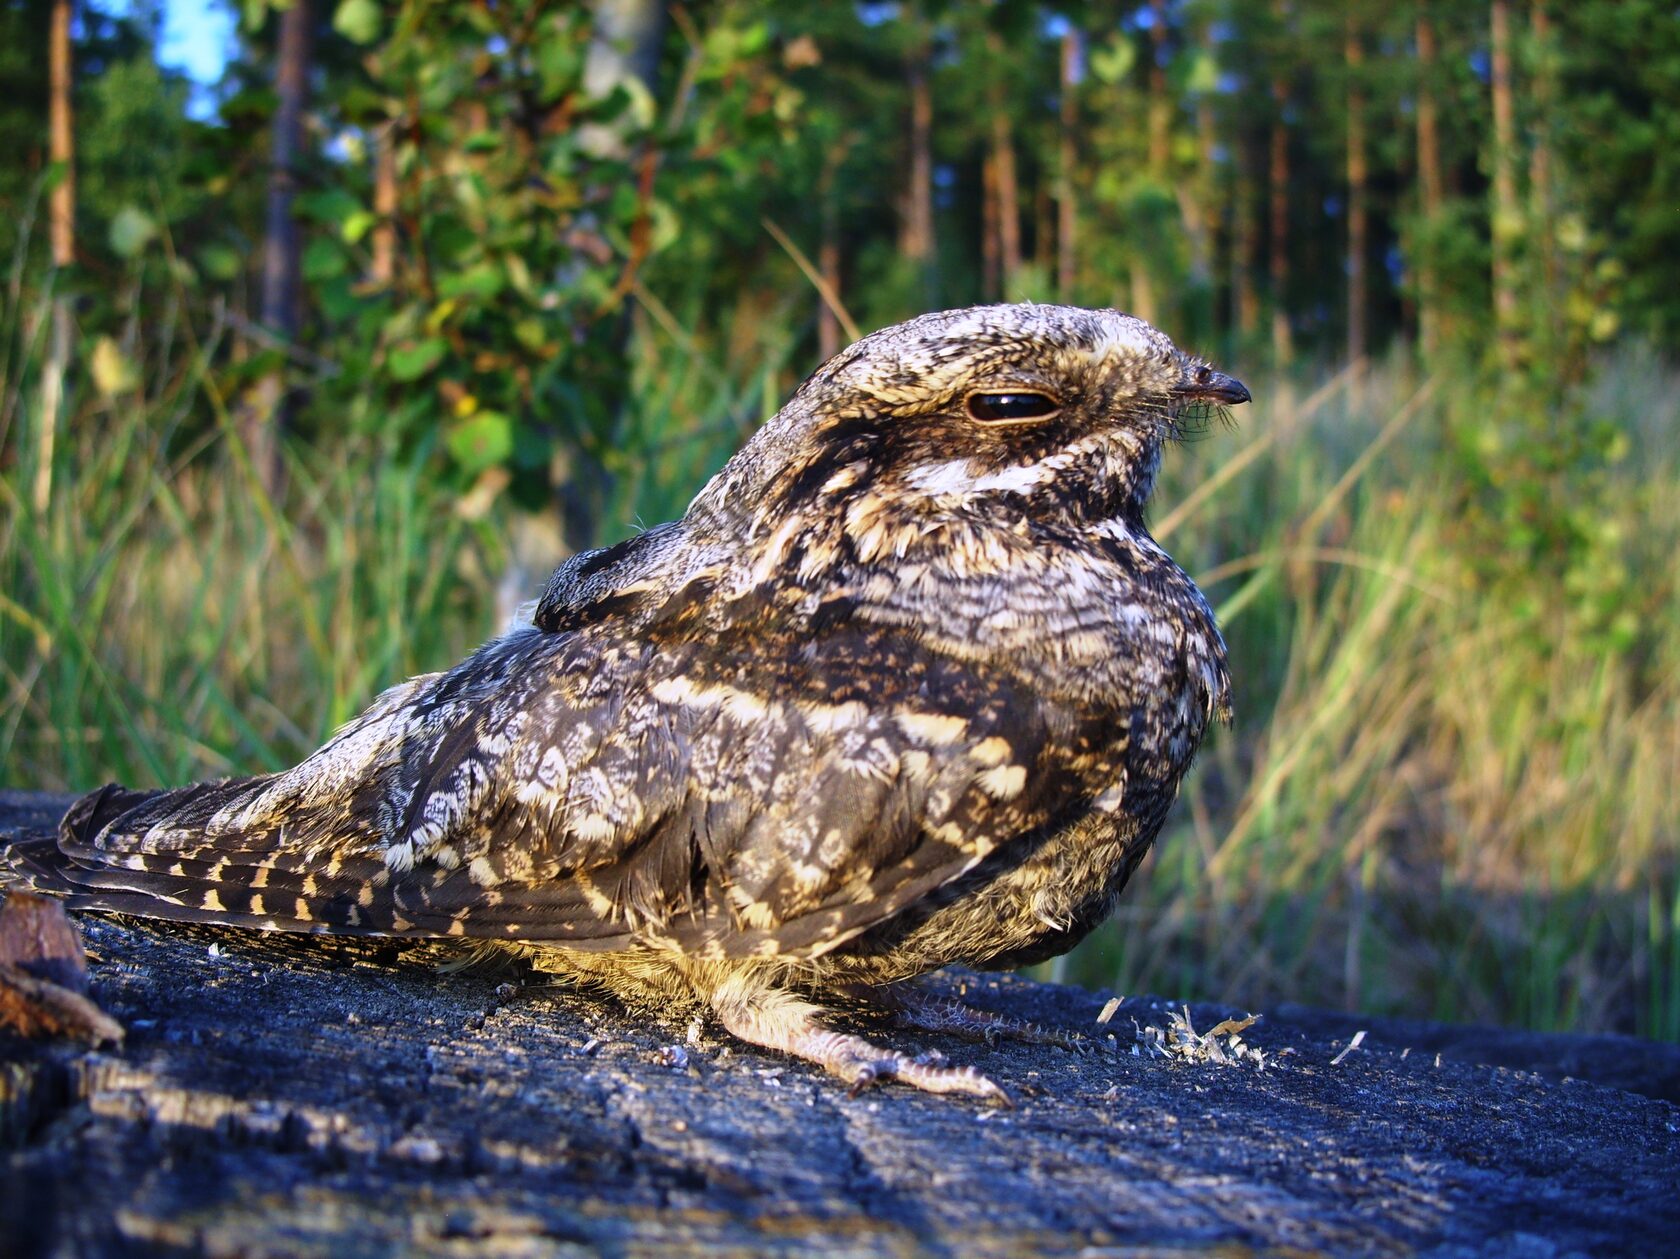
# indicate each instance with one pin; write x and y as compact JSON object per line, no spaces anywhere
{"x":767,"y":1016}
{"x":912,"y":1006}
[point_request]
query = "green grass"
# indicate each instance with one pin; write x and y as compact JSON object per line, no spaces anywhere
{"x":1441,"y":797}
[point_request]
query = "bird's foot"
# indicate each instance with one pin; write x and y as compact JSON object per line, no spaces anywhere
{"x":911,"y":1006}
{"x":778,"y":1020}
{"x":864,"y":1064}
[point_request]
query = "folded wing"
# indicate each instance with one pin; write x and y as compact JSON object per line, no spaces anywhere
{"x":726,"y":795}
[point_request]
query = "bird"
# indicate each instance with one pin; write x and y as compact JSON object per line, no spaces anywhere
{"x":908,"y":685}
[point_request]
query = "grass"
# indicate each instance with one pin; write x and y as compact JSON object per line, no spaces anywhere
{"x":1441,"y":797}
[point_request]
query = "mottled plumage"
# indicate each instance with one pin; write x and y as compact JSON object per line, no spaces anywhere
{"x":909,"y":684}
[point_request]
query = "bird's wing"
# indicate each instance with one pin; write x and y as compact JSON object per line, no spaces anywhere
{"x":734,"y":794}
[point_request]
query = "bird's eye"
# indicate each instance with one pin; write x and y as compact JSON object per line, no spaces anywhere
{"x":1016,"y":407}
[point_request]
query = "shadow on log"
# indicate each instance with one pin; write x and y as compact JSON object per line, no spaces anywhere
{"x":290,"y":1096}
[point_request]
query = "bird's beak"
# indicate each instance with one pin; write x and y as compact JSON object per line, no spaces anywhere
{"x":1202,"y":384}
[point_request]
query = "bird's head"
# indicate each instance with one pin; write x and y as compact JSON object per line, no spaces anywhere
{"x":993,"y":411}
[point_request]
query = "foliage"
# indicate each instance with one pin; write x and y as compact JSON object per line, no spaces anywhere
{"x":519,"y":217}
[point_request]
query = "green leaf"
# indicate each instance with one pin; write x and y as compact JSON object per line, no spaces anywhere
{"x":410,"y":362}
{"x":481,"y":441}
{"x":1204,"y":73}
{"x":1113,"y":61}
{"x":531,"y":333}
{"x":358,"y":225}
{"x":113,"y":371}
{"x":366,"y":107}
{"x":220,"y":262}
{"x":322,"y":260}
{"x":131,"y":231}
{"x":337,"y":301}
{"x":559,"y":62}
{"x":481,"y":281}
{"x":331,"y":206}
{"x":359,"y":21}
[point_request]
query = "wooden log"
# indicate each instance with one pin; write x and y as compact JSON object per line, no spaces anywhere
{"x":295,"y":1096}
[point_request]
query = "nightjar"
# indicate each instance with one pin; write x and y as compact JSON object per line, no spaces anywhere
{"x":909,"y":684}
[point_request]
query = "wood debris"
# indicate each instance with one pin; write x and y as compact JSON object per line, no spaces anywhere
{"x":1223,"y":1045}
{"x":1358,"y":1039}
{"x":43,"y":975}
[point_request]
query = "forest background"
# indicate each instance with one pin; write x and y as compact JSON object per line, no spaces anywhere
{"x":307,"y":377}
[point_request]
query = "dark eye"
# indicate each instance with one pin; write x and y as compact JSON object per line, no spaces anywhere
{"x":1004,"y":408}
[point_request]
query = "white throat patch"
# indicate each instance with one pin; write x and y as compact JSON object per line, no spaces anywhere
{"x":961,"y":478}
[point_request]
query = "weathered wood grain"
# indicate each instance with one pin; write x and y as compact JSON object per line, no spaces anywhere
{"x":278,"y":1096}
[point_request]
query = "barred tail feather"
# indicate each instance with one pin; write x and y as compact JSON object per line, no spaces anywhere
{"x":152,"y":853}
{"x":139,"y":852}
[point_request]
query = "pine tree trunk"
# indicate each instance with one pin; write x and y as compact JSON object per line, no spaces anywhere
{"x":61,"y":137}
{"x":1245,"y":252}
{"x":1205,"y":202}
{"x":281,"y":288}
{"x":1067,"y":209}
{"x":1143,"y":293}
{"x":991,"y":277}
{"x":1540,"y":192}
{"x":1429,"y":183}
{"x":1044,"y":232}
{"x":1008,"y":201}
{"x":1283,"y":344}
{"x":61,"y":211}
{"x":382,"y":268}
{"x":1158,"y":120}
{"x":828,"y":256}
{"x":916,"y":239}
{"x":1160,"y":108}
{"x":1358,"y":222}
{"x":1507,"y":224}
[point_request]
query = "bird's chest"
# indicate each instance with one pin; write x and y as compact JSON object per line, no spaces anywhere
{"x":1133,"y":665}
{"x":1136,"y":655}
{"x":1016,"y":912}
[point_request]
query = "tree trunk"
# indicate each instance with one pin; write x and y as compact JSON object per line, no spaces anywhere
{"x":1006,"y":188}
{"x":1283,"y":343}
{"x":1540,"y":191}
{"x":1204,"y":204}
{"x":1358,"y":222}
{"x":1158,"y":120}
{"x":1044,"y":232}
{"x":1008,"y":201}
{"x":61,"y":138}
{"x":281,"y":281}
{"x":991,"y":277}
{"x":1067,"y":209}
{"x":828,"y":256}
{"x":1429,"y":182}
{"x":1143,"y":293}
{"x":916,"y":239}
{"x":62,"y":213}
{"x":1160,"y":108}
{"x":1245,"y":251}
{"x":828,"y":263}
{"x":382,"y":269}
{"x":1507,"y":223}
{"x":630,"y":33}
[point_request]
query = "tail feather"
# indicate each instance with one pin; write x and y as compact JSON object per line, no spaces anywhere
{"x":135,"y":852}
{"x":153,"y":853}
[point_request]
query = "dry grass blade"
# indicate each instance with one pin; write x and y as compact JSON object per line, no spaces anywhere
{"x":825,"y":290}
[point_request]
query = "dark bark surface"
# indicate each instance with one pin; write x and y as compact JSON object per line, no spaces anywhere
{"x":286,"y":1096}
